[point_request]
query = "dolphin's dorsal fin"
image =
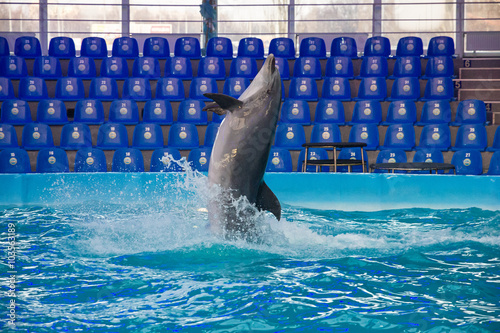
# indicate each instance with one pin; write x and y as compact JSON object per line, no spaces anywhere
{"x":266,"y":200}
{"x":222,"y":103}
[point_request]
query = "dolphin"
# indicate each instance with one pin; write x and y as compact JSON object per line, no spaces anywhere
{"x":240,"y":153}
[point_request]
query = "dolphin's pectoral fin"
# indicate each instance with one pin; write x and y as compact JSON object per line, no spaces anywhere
{"x":222,"y":102}
{"x":266,"y":200}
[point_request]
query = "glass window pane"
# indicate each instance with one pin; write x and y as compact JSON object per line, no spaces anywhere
{"x":482,"y":17}
{"x":20,"y":18}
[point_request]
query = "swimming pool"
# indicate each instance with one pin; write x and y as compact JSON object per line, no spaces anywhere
{"x":115,"y":258}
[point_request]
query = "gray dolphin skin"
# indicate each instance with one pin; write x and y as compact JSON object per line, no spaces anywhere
{"x":241,"y":150}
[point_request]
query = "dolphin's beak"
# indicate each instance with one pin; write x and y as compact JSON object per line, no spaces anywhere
{"x":271,"y":63}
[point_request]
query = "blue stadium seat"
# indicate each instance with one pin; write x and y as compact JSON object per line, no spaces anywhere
{"x":470,"y":111}
{"x":367,"y":111}
{"x":243,"y":67}
{"x":220,"y":47}
{"x":179,"y":67}
{"x":295,"y":111}
{"x":14,"y":160}
{"x":127,"y":160}
{"x":337,"y":88}
{"x":399,"y":136}
{"x":377,"y":46}
{"x":47,"y":67}
{"x":103,"y":88}
{"x":89,"y":111}
{"x":4,"y":47}
{"x":329,"y":111}
{"x":326,"y":133}
{"x":373,"y":88}
{"x":147,"y":67}
{"x":124,"y":111}
{"x":112,"y":136}
{"x":90,"y":160}
{"x":339,"y":67}
{"x":76,"y":136}
{"x":62,"y":47}
{"x":366,"y":133}
{"x":13,"y":67}
{"x":407,"y":88}
{"x":115,"y":67}
{"x":52,"y":160}
{"x":15,"y":112}
{"x":313,"y":47}
{"x":471,"y":136}
{"x":468,"y":162}
{"x":307,"y":67}
{"x":352,"y":154}
{"x":8,"y":136}
{"x":313,"y":154}
{"x":83,"y":67}
{"x":441,"y":46}
{"x":147,"y":136}
{"x":126,"y":47}
{"x":407,"y":66}
{"x":251,"y":47}
{"x":374,"y":66}
{"x":156,"y":47}
{"x":496,"y":141}
{"x":94,"y":47}
{"x":280,"y":160}
{"x":183,"y":136}
{"x":235,"y":86}
{"x":390,"y":156}
{"x":410,"y":46}
{"x":6,"y":89}
{"x":199,"y":158}
{"x":344,"y":47}
{"x":190,"y":111}
{"x":212,"y":67}
{"x":282,"y":47}
{"x":401,"y":112}
{"x":283,"y":67}
{"x":290,"y":136}
{"x":439,"y":66}
{"x":202,"y":85}
{"x":211,"y":134}
{"x":170,"y":88}
{"x":428,"y":156}
{"x":217,"y":118}
{"x":164,"y":160}
{"x":304,"y":88}
{"x":493,"y":169}
{"x":137,"y":88}
{"x":28,"y":47}
{"x":158,"y":111}
{"x":435,"y":136}
{"x":52,"y":112}
{"x":37,"y":136}
{"x":439,"y":88}
{"x":435,"y":112}
{"x":70,"y":89}
{"x":188,"y":47}
{"x":33,"y":89}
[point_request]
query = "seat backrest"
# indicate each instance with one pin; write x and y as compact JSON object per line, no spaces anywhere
{"x":374,"y":88}
{"x":471,"y":136}
{"x":28,"y":47}
{"x":147,"y":136}
{"x":47,"y":67}
{"x":70,"y":88}
{"x":190,"y":111}
{"x":52,"y":160}
{"x":212,"y":67}
{"x":405,"y":88}
{"x":339,"y":66}
{"x":211,"y":134}
{"x":439,"y":66}
{"x":367,"y":111}
{"x":400,"y":136}
{"x":115,"y":67}
{"x":329,"y":111}
{"x":373,"y":66}
{"x":243,"y":67}
{"x":51,"y":111}
{"x":164,"y":160}
{"x":112,"y":136}
{"x":124,"y":111}
{"x":307,"y":67}
{"x":6,"y":89}
{"x":220,"y":47}
{"x":183,"y":136}
{"x":33,"y":89}
{"x":377,"y":46}
{"x":62,"y":47}
{"x":94,"y":47}
{"x":4,"y":47}
{"x":313,"y":154}
{"x":410,"y":46}
{"x":202,"y":85}
{"x":76,"y":136}
{"x":290,"y":136}
{"x":14,"y":160}
{"x":435,"y":136}
{"x":147,"y":67}
{"x":435,"y":112}
{"x":170,"y":88}
{"x":127,"y":160}
{"x":295,"y":111}
{"x":313,"y":47}
{"x":180,"y":67}
{"x":137,"y":88}
{"x":15,"y":112}
{"x":251,"y":47}
{"x":468,"y":162}
{"x":187,"y":47}
{"x":13,"y":67}
{"x":305,"y":88}
{"x":326,"y":133}
{"x":156,"y":47}
{"x":158,"y":111}
{"x":407,"y":66}
{"x":8,"y":136}
{"x":494,"y":168}
{"x":337,"y":88}
{"x":89,"y":111}
{"x":82,"y":67}
{"x":471,"y":111}
{"x":365,"y":133}
{"x":199,"y":158}
{"x":90,"y":160}
{"x":282,"y":47}
{"x":126,"y":47}
{"x":280,"y":160}
{"x":401,"y":112}
{"x":441,"y":46}
{"x":235,"y":86}
{"x":103,"y":88}
{"x":344,"y":47}
{"x":439,"y":88}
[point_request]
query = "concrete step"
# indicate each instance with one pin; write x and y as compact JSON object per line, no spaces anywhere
{"x":486,"y":95}
{"x":480,"y":73}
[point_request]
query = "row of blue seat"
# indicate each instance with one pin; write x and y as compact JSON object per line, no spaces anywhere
{"x":36,"y":136}
{"x":16,"y":160}
{"x":171,"y":88}
{"x":91,"y":111}
{"x":148,"y":67}
{"x":28,"y":46}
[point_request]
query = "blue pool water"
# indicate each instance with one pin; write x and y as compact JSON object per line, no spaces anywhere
{"x":155,"y":267}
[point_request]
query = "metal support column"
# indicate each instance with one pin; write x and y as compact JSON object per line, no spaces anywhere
{"x":377,"y":18}
{"x":43,"y":26}
{"x":460,"y":27}
{"x":125,"y":18}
